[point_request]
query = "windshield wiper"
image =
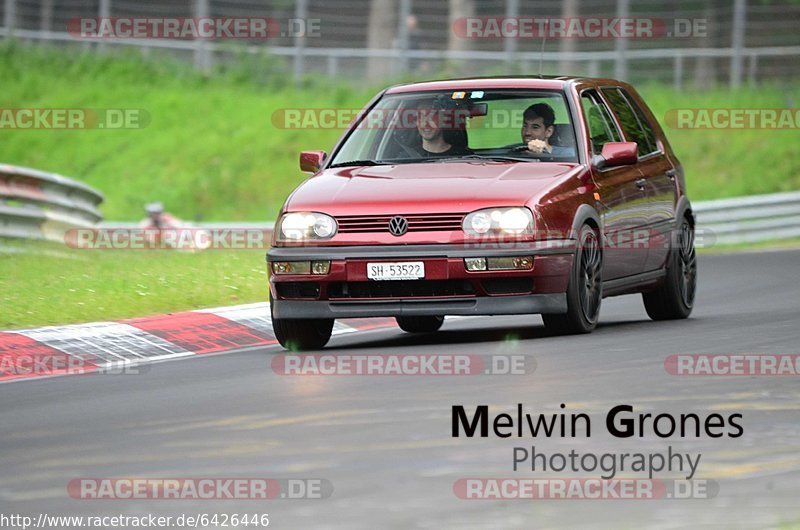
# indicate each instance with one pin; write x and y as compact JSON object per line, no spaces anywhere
{"x":365,"y":162}
{"x":493,"y":158}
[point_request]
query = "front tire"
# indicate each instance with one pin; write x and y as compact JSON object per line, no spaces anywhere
{"x":302,"y":334}
{"x":675,"y":299}
{"x":585,"y":289}
{"x":420,"y":324}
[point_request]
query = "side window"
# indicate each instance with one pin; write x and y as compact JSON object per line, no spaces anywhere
{"x":630,"y":123}
{"x":601,"y":126}
{"x":647,"y":127}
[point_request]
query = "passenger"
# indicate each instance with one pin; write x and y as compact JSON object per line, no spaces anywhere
{"x":442,"y":129}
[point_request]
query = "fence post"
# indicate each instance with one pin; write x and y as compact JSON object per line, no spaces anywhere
{"x":46,"y":15}
{"x":202,"y":52}
{"x":594,"y":68}
{"x":569,"y":11}
{"x":510,"y":43}
{"x":104,"y":11}
{"x":403,"y":43}
{"x":300,"y":14}
{"x":752,"y":66}
{"x":333,"y":65}
{"x":10,"y":17}
{"x":677,"y":72}
{"x":739,"y":12}
{"x":621,"y":62}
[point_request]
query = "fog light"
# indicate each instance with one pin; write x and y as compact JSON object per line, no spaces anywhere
{"x":475,"y":264}
{"x":291,"y":267}
{"x":515,"y":263}
{"x":320,"y":267}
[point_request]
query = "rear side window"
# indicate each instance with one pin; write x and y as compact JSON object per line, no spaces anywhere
{"x":633,"y":121}
{"x":601,"y":126}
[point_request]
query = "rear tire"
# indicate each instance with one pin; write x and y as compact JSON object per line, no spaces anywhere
{"x":675,"y":299}
{"x":302,"y":334}
{"x":421,"y":324}
{"x":585,"y":289}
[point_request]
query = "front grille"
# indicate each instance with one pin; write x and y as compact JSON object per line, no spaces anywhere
{"x":416,"y":222}
{"x":400,"y":289}
{"x":297,"y":289}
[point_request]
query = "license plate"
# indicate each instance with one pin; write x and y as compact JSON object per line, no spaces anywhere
{"x":404,"y":270}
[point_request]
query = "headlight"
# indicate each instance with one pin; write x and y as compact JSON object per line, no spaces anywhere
{"x":301,"y":226}
{"x":499,"y":221}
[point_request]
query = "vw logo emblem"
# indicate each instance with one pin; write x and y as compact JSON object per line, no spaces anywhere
{"x":398,"y":225}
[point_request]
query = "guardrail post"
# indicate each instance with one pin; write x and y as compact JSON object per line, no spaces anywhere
{"x":10,"y":16}
{"x":739,"y":12}
{"x":621,"y":45}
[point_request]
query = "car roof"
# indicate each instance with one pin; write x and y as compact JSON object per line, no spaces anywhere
{"x":471,"y":83}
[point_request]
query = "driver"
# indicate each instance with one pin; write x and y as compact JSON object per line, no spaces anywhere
{"x":537,"y":127}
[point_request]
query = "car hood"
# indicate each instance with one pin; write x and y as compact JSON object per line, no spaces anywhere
{"x":429,"y":187}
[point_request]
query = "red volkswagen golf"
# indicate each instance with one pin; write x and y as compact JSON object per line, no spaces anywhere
{"x":491,"y":196}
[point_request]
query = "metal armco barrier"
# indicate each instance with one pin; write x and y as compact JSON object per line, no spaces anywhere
{"x":750,"y":219}
{"x":39,"y":205}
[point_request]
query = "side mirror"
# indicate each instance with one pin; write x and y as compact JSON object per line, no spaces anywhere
{"x":311,"y":161}
{"x":618,"y":154}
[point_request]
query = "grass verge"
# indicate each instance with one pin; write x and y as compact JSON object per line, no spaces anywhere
{"x":45,"y":284}
{"x":212,"y":152}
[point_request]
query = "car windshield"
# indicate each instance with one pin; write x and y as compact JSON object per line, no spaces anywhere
{"x":471,"y":125}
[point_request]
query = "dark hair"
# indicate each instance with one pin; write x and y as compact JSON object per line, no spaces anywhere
{"x":540,"y":110}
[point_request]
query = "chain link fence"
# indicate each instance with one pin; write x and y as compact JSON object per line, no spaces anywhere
{"x":696,"y":44}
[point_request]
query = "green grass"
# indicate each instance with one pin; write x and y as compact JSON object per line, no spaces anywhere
{"x":45,"y":283}
{"x":212,"y":152}
{"x":732,"y":163}
{"x":209,"y":152}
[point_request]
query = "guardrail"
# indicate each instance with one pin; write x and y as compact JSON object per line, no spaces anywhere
{"x":750,"y":219}
{"x":39,"y":205}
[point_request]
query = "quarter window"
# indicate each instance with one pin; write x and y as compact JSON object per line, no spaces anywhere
{"x":633,"y":121}
{"x":601,"y":126}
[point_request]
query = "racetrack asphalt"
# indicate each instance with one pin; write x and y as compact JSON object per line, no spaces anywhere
{"x":384,"y":442}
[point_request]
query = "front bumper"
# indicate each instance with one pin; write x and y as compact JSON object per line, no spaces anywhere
{"x":346,"y":293}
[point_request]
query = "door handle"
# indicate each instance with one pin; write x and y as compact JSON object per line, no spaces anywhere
{"x":641,"y":183}
{"x":671,"y":174}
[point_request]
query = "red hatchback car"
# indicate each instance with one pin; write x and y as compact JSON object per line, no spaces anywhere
{"x":487,"y":196}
